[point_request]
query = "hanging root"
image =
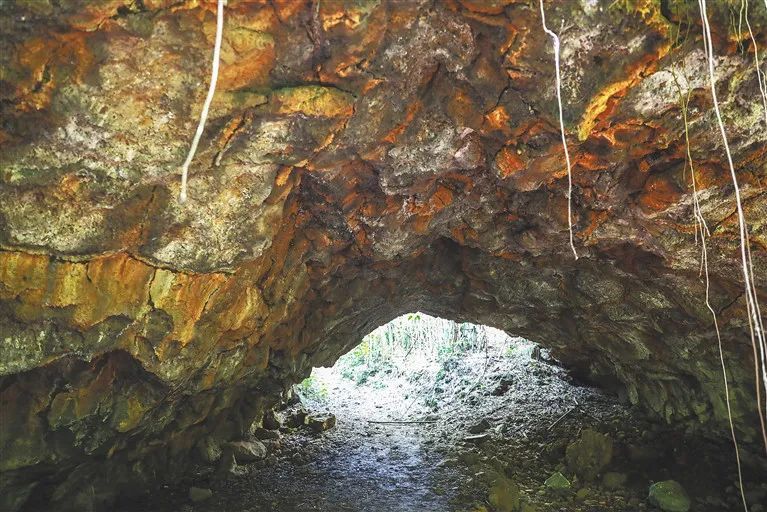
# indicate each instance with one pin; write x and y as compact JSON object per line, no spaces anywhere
{"x":752,"y":304}
{"x":760,"y":77}
{"x":762,"y":81}
{"x":555,"y":41}
{"x":206,"y":106}
{"x":702,"y":228}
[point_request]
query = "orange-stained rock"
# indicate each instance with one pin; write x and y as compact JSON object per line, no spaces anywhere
{"x":659,"y":193}
{"x":497,"y":119}
{"x":360,"y":160}
{"x":509,"y":162}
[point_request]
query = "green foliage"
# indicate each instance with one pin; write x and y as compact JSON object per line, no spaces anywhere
{"x":410,"y":336}
{"x":313,"y":389}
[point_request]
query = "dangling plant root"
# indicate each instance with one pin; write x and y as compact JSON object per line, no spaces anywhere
{"x":752,"y":305}
{"x":760,"y":77}
{"x":762,"y":81}
{"x":702,"y":228}
{"x":206,"y":106}
{"x":555,"y":42}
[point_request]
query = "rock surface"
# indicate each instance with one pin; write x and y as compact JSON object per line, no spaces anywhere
{"x":361,"y":160}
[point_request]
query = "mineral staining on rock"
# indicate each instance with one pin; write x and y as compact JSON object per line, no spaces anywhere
{"x":360,"y":161}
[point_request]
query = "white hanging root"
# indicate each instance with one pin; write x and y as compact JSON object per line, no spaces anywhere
{"x":759,"y":74}
{"x":752,"y":305}
{"x":700,"y":224}
{"x":724,"y":377}
{"x":762,"y":81}
{"x":206,"y":106}
{"x":555,"y":40}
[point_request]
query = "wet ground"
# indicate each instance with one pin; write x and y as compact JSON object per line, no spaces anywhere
{"x":428,"y":461}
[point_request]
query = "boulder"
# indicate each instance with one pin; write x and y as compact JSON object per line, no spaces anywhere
{"x":587,"y":456}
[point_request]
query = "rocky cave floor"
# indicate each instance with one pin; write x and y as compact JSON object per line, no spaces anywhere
{"x":492,"y":435}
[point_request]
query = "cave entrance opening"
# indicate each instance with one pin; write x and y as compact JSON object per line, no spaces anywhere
{"x":417,"y":368}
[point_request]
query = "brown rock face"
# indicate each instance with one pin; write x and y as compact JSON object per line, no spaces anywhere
{"x":362,"y":160}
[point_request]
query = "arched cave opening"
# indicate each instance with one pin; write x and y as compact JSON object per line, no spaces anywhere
{"x":425,"y":413}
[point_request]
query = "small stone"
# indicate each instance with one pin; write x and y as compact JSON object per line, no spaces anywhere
{"x":669,"y":496}
{"x":582,"y":493}
{"x":197,"y":494}
{"x":612,"y":480}
{"x":247,"y":451}
{"x":557,"y":482}
{"x":321,"y":423}
{"x":477,"y":439}
{"x":528,"y":507}
{"x":479,"y":427}
{"x":503,"y":386}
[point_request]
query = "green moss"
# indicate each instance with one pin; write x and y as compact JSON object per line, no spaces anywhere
{"x":669,"y":496}
{"x":557,"y":482}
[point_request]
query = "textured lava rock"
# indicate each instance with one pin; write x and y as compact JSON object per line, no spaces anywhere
{"x":361,"y":160}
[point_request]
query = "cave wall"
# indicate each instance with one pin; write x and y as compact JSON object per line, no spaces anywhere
{"x":362,"y":159}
